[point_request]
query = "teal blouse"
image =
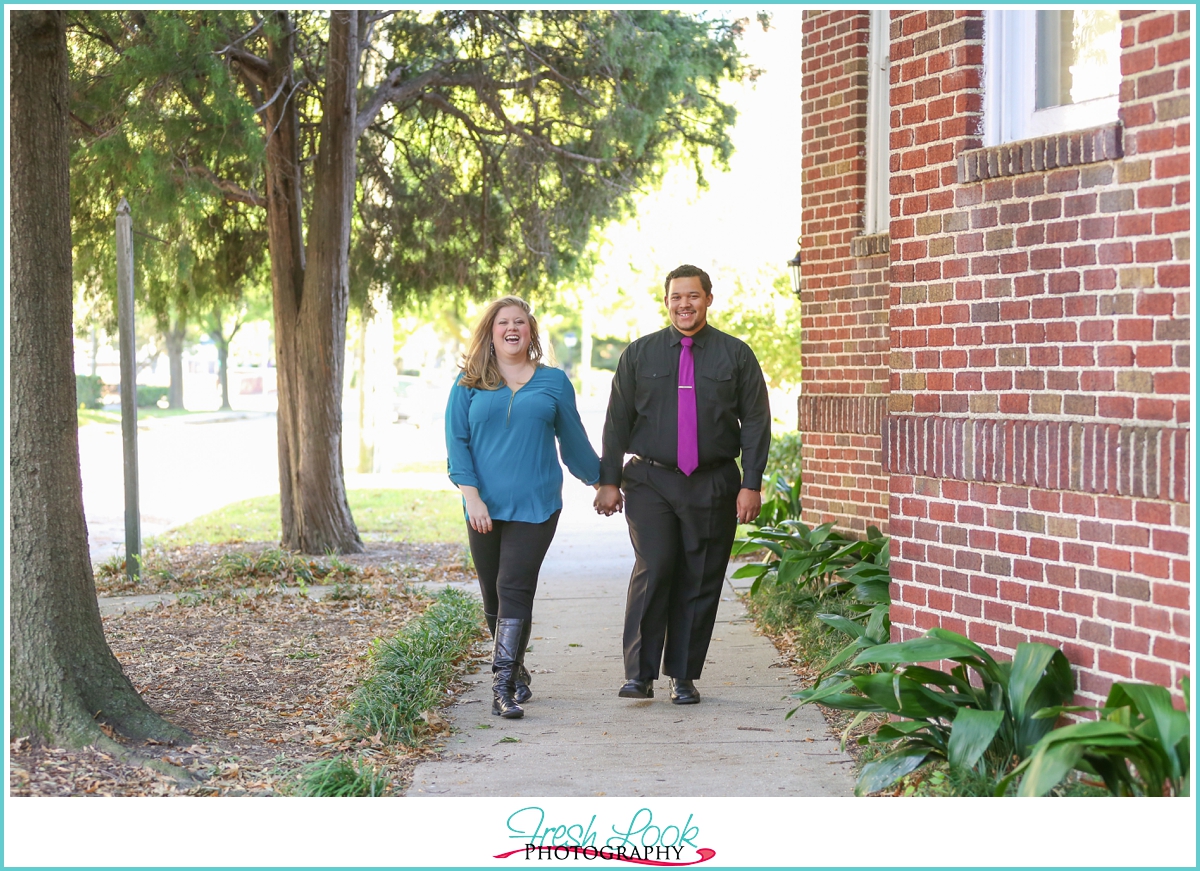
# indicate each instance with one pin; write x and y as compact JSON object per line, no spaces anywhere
{"x":503,"y":444}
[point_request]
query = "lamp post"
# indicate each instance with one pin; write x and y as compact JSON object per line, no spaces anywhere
{"x":794,"y":269}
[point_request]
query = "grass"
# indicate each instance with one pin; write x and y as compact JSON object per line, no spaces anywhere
{"x":420,"y":516}
{"x":95,"y":415}
{"x":941,"y":781}
{"x":410,"y":673}
{"x":781,"y":611}
{"x":341,"y":778}
{"x":423,"y":466}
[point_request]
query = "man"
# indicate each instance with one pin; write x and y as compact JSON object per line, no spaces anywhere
{"x":685,"y":402}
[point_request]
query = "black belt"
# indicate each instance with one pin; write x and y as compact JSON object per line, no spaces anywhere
{"x":706,"y":467}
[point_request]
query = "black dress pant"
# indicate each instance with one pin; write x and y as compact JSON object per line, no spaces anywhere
{"x":508,"y":560}
{"x":682,"y":529}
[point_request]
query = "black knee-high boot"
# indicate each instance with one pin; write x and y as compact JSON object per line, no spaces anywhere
{"x":504,"y":667}
{"x":522,"y":676}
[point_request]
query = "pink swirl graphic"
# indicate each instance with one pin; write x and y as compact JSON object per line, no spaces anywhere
{"x":609,"y":854}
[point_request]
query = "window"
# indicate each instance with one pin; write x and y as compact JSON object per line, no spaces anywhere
{"x":878,"y":217}
{"x":1049,"y":71}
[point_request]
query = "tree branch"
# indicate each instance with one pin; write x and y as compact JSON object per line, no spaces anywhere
{"x":249,"y":33}
{"x":394,"y":90}
{"x":233,"y":192}
{"x":251,"y":65}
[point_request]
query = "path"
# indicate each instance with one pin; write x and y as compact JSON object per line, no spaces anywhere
{"x":579,"y":739}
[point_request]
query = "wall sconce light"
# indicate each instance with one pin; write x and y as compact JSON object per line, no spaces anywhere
{"x":794,"y":268}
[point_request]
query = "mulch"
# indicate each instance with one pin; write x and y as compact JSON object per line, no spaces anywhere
{"x":233,"y":566}
{"x":259,"y":678}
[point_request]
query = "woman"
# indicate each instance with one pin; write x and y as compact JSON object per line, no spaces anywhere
{"x":504,"y":412}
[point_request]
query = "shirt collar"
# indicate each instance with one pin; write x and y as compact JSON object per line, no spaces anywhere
{"x":697,"y":338}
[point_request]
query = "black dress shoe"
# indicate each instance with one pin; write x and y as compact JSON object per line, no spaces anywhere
{"x":684,"y":692}
{"x":637,"y":689}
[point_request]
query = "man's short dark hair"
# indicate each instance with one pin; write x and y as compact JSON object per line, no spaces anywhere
{"x":689,"y":271}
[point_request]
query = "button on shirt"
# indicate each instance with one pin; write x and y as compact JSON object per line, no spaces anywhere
{"x":732,"y":412}
{"x":502,"y":443}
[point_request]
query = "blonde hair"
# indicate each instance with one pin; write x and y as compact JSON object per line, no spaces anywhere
{"x":479,"y":363}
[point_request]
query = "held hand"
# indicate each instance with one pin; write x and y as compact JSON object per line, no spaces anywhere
{"x":477,"y":514}
{"x":608,"y":500}
{"x":749,"y":504}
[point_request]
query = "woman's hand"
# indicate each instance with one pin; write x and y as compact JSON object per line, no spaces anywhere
{"x":477,"y":512}
{"x":608,"y":500}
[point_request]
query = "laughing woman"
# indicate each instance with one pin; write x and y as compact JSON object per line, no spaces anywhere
{"x":504,"y":413}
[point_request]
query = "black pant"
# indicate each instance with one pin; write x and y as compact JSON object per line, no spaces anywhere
{"x":682,"y":529}
{"x":508,"y":560}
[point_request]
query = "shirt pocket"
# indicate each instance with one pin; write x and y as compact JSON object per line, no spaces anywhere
{"x":719,"y":387}
{"x":652,"y":388}
{"x":483,"y":407}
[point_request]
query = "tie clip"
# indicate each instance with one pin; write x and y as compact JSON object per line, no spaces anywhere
{"x":685,"y":386}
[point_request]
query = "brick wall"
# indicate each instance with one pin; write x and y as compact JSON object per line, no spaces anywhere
{"x":843,"y":296}
{"x":1039,"y":413}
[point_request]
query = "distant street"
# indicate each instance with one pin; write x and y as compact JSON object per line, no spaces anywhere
{"x":191,"y":465}
{"x":187,"y":467}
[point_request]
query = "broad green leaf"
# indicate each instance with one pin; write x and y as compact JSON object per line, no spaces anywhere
{"x":838,"y":622}
{"x":971,"y":734}
{"x":751,"y":570}
{"x":991,"y":667}
{"x":1170,"y":726}
{"x":1028,"y":664}
{"x":923,"y":649}
{"x":899,"y":729}
{"x":1039,"y":676}
{"x":822,"y":690}
{"x":842,"y":655}
{"x":1048,"y":765}
{"x":792,"y":567}
{"x":886,"y":770}
{"x":899,"y":695}
{"x":878,"y":625}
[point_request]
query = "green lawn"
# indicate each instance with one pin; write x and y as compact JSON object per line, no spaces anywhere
{"x":408,"y":515}
{"x":92,"y":415}
{"x":423,"y":466}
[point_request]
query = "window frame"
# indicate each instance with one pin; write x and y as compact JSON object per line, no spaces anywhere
{"x":1009,"y":112}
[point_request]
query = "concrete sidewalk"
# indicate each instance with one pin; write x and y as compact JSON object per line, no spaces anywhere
{"x":578,"y":738}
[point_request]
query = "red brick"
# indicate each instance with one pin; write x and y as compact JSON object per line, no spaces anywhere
{"x":1173,"y":649}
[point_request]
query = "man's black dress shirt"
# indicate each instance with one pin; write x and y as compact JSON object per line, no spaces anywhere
{"x":732,"y":412}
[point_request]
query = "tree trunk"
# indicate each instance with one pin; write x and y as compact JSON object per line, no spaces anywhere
{"x":64,"y":678}
{"x":223,"y":369}
{"x":310,"y":289}
{"x":366,"y":445}
{"x":174,"y":336}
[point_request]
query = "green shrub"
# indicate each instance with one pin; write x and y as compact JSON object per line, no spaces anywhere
{"x":148,"y":397}
{"x":984,"y":723}
{"x":341,"y":778}
{"x":87,"y":391}
{"x":1140,"y":746}
{"x":781,"y":501}
{"x":783,"y":457}
{"x":411,"y":671}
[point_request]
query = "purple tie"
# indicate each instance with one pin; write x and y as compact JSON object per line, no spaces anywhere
{"x":688,"y":454}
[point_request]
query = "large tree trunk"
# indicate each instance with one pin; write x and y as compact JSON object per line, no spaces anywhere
{"x":311,"y":293}
{"x":174,"y":336}
{"x":64,"y":677}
